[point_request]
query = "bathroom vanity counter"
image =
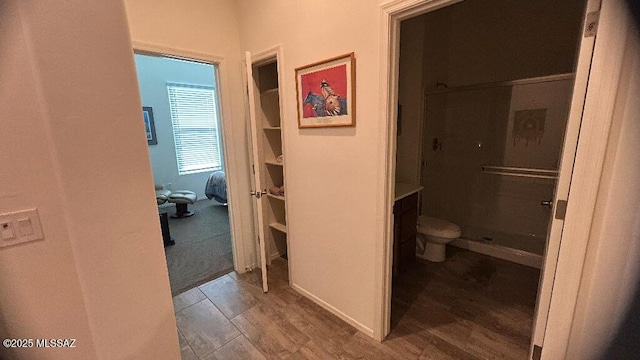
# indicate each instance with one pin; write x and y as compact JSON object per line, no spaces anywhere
{"x":403,"y":190}
{"x":405,"y":219}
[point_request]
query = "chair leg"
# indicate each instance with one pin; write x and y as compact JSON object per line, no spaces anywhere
{"x":166,"y":234}
{"x":182,"y":211}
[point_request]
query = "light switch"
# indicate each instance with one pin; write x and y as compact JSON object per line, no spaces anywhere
{"x":24,"y":227}
{"x":6,"y":231}
{"x":20,"y":227}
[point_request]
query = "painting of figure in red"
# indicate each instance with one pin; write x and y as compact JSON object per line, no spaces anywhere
{"x":324,"y":92}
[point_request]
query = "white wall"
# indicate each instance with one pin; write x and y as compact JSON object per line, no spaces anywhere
{"x":494,"y":40}
{"x":153,"y":75}
{"x":333,"y":174}
{"x":27,"y":291}
{"x":210,"y":27}
{"x":612,"y":272}
{"x":71,"y":140}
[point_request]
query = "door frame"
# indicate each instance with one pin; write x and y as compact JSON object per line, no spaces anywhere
{"x":597,"y":116}
{"x":242,"y":259}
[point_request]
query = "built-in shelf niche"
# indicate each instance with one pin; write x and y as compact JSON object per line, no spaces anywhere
{"x":270,"y":109}
{"x":267,"y":76}
{"x":275,"y":176}
{"x":277,"y":210}
{"x":280,"y":241}
{"x":270,"y":143}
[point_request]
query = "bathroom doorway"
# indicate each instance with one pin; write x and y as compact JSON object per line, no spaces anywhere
{"x":475,"y":83}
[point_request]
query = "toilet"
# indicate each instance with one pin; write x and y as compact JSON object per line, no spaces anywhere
{"x":434,"y":234}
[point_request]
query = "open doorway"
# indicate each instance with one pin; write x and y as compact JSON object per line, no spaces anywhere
{"x":483,"y":104}
{"x":181,"y":109}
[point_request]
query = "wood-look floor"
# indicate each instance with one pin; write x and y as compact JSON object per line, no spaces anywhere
{"x":470,"y":307}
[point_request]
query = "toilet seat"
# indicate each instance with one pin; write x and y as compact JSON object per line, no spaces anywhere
{"x":431,"y":226}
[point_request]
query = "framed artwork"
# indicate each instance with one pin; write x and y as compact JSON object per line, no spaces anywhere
{"x":326,"y":93}
{"x":149,"y":125}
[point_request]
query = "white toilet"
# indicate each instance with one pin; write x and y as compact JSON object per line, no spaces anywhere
{"x":434,"y":234}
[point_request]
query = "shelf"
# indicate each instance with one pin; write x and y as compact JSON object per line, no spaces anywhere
{"x":273,"y":162}
{"x":276,"y":197}
{"x":278,"y":226}
{"x":270,"y":91}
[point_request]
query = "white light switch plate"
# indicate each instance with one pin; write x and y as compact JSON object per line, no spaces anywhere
{"x":20,"y":227}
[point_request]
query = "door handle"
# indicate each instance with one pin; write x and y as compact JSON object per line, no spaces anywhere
{"x":548,"y":203}
{"x":258,"y":194}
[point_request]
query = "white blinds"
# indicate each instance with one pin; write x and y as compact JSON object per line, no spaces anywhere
{"x":194,"y":116}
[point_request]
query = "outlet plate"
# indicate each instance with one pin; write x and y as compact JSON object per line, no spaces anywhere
{"x":24,"y":225}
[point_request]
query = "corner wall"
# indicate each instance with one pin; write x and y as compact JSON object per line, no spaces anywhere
{"x":72,"y":141}
{"x":39,"y":276}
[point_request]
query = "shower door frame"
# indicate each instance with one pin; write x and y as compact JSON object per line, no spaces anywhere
{"x":597,"y":77}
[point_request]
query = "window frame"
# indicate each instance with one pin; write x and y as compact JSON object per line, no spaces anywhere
{"x":216,"y":128}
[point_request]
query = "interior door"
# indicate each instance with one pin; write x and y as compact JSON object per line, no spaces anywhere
{"x":545,"y":288}
{"x":259,"y":188}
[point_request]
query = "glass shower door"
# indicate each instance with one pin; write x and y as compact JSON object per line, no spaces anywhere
{"x":492,"y":154}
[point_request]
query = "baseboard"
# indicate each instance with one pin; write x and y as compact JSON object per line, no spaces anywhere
{"x":334,"y":311}
{"x":276,"y":255}
{"x":500,"y":252}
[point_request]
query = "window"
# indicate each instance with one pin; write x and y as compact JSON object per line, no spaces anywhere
{"x":195,"y":120}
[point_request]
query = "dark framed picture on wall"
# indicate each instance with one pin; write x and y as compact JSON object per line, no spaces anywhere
{"x":149,"y":125}
{"x":326,"y":92}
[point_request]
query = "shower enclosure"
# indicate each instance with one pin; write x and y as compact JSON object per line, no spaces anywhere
{"x":489,"y":162}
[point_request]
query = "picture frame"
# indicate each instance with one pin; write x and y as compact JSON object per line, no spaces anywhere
{"x":149,"y":125}
{"x":326,"y":92}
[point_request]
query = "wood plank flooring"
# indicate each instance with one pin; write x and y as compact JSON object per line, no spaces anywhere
{"x":470,"y":307}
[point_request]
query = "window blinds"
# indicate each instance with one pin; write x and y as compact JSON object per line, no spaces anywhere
{"x":194,"y":116}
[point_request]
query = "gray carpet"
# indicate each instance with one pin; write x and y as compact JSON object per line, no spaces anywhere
{"x":203,"y":246}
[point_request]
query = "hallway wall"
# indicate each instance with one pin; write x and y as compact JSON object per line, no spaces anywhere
{"x":72,"y":139}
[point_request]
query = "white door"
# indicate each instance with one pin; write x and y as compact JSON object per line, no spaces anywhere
{"x":259,"y":188}
{"x":574,"y":120}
